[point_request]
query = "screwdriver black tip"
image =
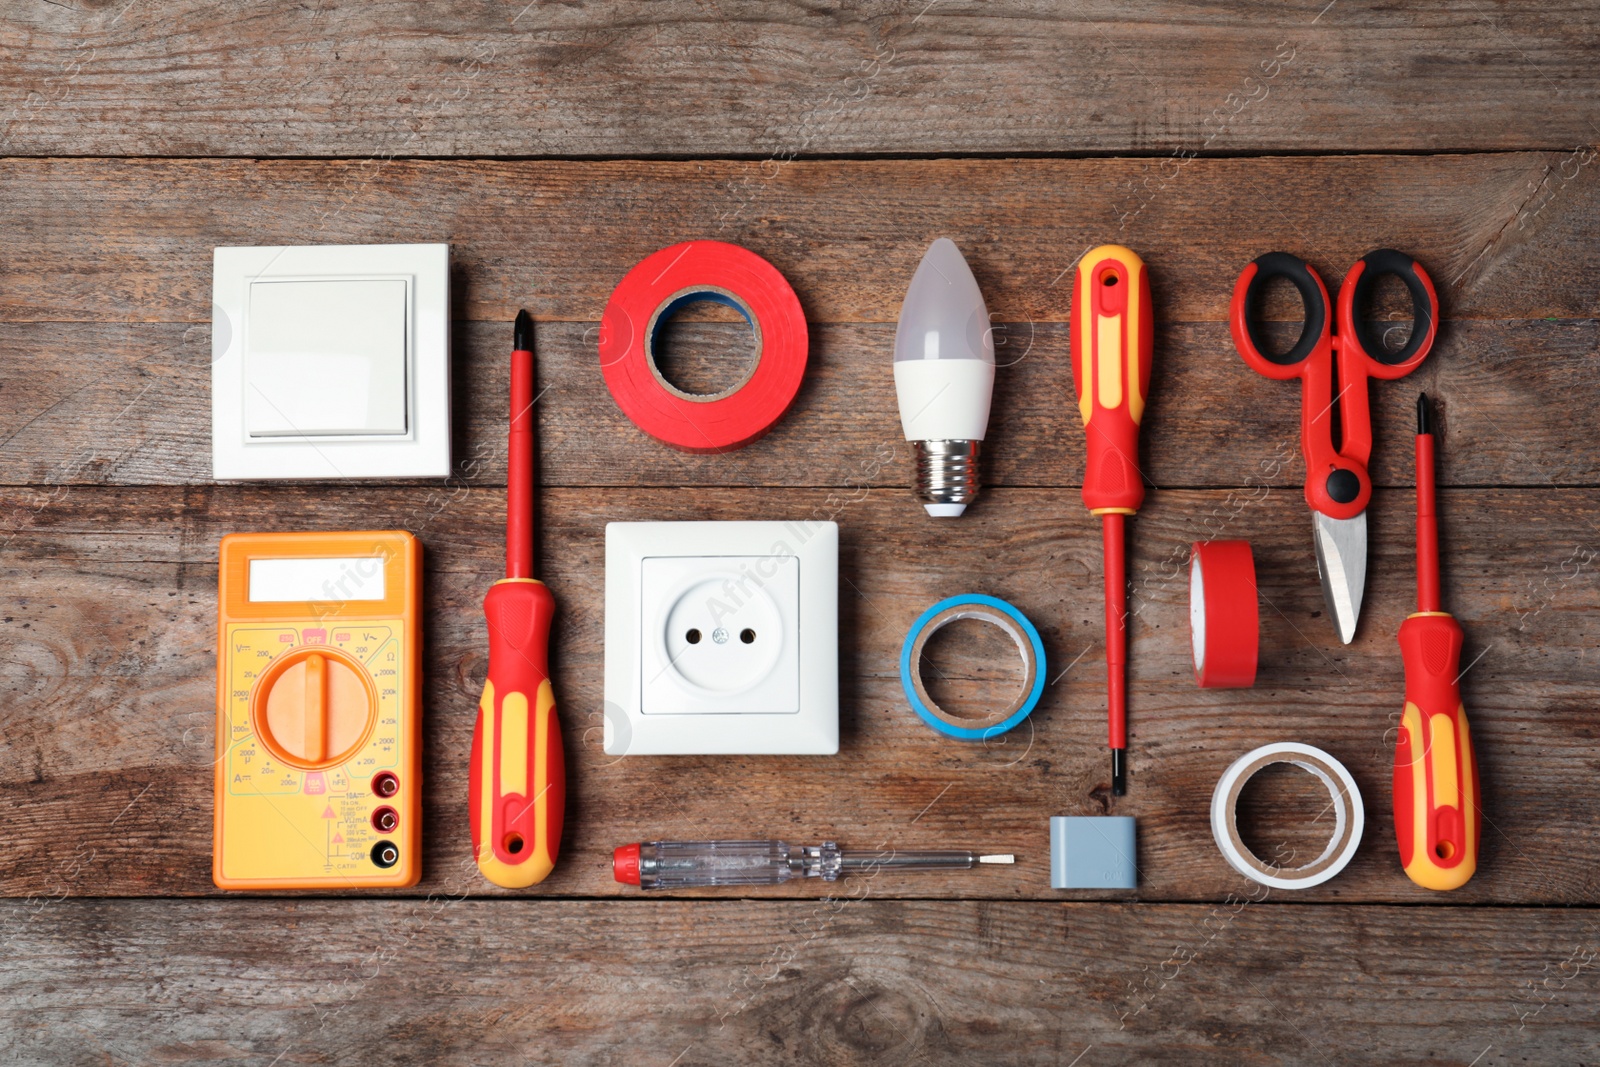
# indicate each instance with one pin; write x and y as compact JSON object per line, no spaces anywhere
{"x":522,"y":333}
{"x":1119,"y":772}
{"x":1424,"y":415}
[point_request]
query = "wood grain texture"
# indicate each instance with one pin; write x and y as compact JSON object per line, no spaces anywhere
{"x":109,"y":615}
{"x":553,"y":145}
{"x":1505,"y":235}
{"x":769,"y":79}
{"x":105,"y":303}
{"x":854,"y":979}
{"x":139,"y":412}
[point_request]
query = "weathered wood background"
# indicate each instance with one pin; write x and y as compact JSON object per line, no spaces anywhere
{"x":555,"y":144}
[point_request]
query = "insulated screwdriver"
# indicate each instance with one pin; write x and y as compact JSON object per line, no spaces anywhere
{"x":695,"y":864}
{"x":1436,"y":798}
{"x":1112,"y":340}
{"x":518,"y":777}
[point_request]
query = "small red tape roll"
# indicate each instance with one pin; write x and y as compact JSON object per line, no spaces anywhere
{"x":650,"y":293}
{"x":1224,"y":619}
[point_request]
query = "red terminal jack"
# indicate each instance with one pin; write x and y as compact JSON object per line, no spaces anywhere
{"x":385,"y":784}
{"x":385,"y":819}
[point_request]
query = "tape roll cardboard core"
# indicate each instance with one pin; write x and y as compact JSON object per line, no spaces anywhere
{"x":676,"y":303}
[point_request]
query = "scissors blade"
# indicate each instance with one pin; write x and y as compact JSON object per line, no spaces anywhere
{"x":1342,"y":566}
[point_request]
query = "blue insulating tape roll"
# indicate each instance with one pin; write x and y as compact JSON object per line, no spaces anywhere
{"x":989,"y":609}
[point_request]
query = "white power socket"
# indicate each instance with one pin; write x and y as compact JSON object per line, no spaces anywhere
{"x":722,"y":638}
{"x":719,"y":635}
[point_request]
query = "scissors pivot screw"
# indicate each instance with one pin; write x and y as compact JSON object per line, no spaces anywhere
{"x":1344,"y":486}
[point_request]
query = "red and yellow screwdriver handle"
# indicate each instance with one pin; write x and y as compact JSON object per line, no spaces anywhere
{"x":519,"y":782}
{"x":1436,"y":794}
{"x":1112,"y":345}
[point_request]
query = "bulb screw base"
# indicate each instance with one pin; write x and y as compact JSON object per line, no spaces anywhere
{"x":947,"y":475}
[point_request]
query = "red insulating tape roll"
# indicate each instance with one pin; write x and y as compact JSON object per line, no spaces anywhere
{"x":650,"y":293}
{"x":1224,"y":619}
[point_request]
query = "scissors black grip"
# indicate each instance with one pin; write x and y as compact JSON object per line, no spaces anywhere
{"x":1312,"y":294}
{"x":1424,"y":305}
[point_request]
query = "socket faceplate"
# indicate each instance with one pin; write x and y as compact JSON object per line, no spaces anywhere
{"x":721,"y":635}
{"x":721,"y":638}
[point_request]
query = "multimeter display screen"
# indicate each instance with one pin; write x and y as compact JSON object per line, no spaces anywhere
{"x":353,"y":578}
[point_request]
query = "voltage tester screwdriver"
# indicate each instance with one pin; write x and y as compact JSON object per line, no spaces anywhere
{"x":1436,"y":798}
{"x":696,"y":864}
{"x":518,"y":777}
{"x":1112,"y":341}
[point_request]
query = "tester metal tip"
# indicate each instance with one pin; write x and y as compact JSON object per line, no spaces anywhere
{"x":522,"y":333}
{"x":1002,"y":858}
{"x":1424,"y":415}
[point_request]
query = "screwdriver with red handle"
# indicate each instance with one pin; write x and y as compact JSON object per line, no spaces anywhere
{"x":518,"y":777}
{"x":1112,"y":342}
{"x":1436,"y":798}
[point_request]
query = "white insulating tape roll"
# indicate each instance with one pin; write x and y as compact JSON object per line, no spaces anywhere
{"x":1349,"y":816}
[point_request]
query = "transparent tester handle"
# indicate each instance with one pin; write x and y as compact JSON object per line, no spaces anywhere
{"x":687,"y":864}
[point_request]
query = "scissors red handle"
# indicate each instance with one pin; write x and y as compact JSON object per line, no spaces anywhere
{"x":1337,"y":482}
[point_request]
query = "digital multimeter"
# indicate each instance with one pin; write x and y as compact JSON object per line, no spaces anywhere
{"x":318,"y":775}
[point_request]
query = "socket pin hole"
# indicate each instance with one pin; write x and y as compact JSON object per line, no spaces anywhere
{"x":747,"y":635}
{"x":693,"y":637}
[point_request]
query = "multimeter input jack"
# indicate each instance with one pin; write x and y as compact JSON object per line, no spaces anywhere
{"x":385,"y":784}
{"x":385,"y":854}
{"x":385,"y":819}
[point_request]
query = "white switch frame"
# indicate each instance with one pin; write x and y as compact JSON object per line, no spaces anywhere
{"x":423,"y":451}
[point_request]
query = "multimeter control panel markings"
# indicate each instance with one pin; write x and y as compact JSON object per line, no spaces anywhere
{"x":318,"y":776}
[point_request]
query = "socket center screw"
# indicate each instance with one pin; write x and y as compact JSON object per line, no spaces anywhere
{"x":719,"y":635}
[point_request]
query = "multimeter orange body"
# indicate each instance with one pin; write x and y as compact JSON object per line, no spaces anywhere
{"x":318,"y":769}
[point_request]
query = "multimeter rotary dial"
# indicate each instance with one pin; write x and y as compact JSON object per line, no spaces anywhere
{"x":314,"y":706}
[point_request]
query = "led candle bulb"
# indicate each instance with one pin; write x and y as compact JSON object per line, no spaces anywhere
{"x":944,"y":377}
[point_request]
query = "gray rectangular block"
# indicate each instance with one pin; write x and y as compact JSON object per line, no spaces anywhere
{"x":1092,"y":852}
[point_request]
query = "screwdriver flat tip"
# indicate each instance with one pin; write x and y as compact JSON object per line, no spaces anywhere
{"x":522,"y":333}
{"x":1001,"y":858}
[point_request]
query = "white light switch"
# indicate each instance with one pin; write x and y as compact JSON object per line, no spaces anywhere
{"x":330,"y":361}
{"x":326,"y":357}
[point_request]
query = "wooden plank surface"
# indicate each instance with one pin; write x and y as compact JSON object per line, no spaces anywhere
{"x":109,"y":609}
{"x":553,"y":146}
{"x":854,"y":979}
{"x":773,"y":80}
{"x":139,"y":411}
{"x":105,"y":308}
{"x":1505,"y":235}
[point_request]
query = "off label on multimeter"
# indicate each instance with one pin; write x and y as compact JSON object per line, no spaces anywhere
{"x":318,"y":772}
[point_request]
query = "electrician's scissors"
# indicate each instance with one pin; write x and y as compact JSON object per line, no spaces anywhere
{"x":1337,"y":484}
